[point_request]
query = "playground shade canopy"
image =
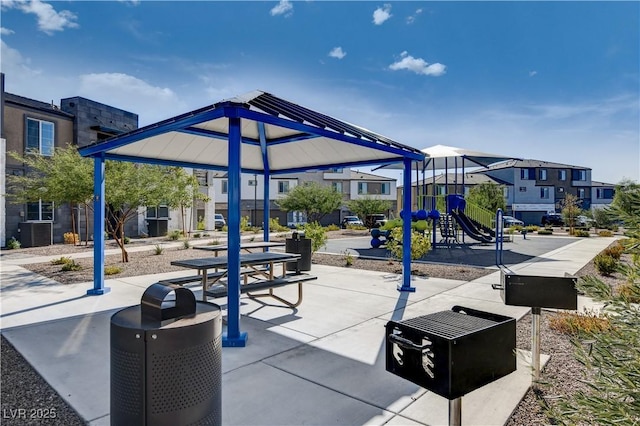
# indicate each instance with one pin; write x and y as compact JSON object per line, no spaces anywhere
{"x":440,"y":157}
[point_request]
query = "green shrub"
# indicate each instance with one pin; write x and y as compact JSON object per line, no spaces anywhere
{"x":186,"y":244}
{"x":174,"y":235}
{"x":244,"y":223}
{"x":605,"y":233}
{"x":348,"y":258}
{"x":71,"y":266}
{"x":274,"y":226}
{"x":158,"y":249}
{"x":605,"y":264}
{"x":545,"y":231}
{"x":317,"y":234}
{"x":581,"y":233}
{"x":531,"y":228}
{"x":112,"y":270}
{"x":420,"y":244}
{"x":126,"y":240}
{"x":332,"y":227}
{"x":13,"y":244}
{"x":197,"y":235}
{"x":200,"y":225}
{"x":61,"y":261}
{"x":579,"y":324}
{"x":214,"y":242}
{"x":614,"y":251}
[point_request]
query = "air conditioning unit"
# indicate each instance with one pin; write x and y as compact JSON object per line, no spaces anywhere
{"x":36,"y":234}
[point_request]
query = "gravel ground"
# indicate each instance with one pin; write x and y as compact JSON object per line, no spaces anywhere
{"x":22,"y":387}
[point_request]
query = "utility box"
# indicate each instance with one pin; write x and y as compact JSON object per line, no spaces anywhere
{"x":299,"y":245}
{"x":36,"y":234}
{"x":452,"y":353}
{"x":539,"y":291}
{"x":166,"y":359}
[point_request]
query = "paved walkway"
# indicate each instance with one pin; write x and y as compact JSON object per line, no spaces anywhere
{"x":322,"y":363}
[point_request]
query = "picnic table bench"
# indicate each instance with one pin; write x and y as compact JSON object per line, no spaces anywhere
{"x":252,"y":265}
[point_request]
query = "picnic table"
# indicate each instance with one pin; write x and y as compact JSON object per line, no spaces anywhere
{"x":247,"y":247}
{"x":262,"y":264}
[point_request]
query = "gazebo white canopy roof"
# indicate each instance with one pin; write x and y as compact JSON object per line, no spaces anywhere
{"x":255,"y":133}
{"x":277,"y":137}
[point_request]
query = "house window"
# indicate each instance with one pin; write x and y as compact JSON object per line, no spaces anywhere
{"x":442,"y":190}
{"x":542,"y":174}
{"x":158,"y":212}
{"x":581,"y":193}
{"x":579,"y":175}
{"x":40,"y":138}
{"x":562,"y":175}
{"x":544,"y":193}
{"x":528,"y":174}
{"x":385,"y":188}
{"x":225,"y":187}
{"x":253,"y":182}
{"x":337,"y":186}
{"x":283,"y":187}
{"x":604,"y":193}
{"x":362,"y":188}
{"x":40,"y":210}
{"x":505,"y":192}
{"x":523,"y":189}
{"x":335,"y":170}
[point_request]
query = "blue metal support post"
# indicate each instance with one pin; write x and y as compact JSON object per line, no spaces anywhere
{"x":406,"y":229}
{"x":233,"y":336}
{"x":265,"y":181}
{"x":98,"y":227}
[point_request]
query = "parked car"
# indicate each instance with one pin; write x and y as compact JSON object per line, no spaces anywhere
{"x":351,"y":221}
{"x":219,"y":221}
{"x":511,"y":221}
{"x":375,"y":220}
{"x":552,"y":219}
{"x":584,"y":221}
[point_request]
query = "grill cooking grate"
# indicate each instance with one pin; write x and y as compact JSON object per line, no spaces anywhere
{"x":448,"y":324}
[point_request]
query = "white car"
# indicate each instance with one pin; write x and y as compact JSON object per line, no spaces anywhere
{"x":584,"y":221}
{"x":219,"y":221}
{"x":351,"y":220}
{"x":511,"y":221}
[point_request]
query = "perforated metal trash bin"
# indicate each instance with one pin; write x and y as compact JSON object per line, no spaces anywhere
{"x":299,"y":245}
{"x":166,"y":359}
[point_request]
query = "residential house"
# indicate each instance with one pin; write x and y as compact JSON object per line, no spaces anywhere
{"x":33,"y":127}
{"x":351,"y":183}
{"x":531,"y":187}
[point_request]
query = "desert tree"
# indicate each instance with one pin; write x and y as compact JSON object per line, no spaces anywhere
{"x":313,"y":199}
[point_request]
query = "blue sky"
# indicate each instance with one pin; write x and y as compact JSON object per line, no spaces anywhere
{"x":553,"y":81}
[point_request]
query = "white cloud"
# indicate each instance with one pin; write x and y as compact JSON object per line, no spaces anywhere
{"x":130,"y":93}
{"x":418,"y":65}
{"x":49,"y":20}
{"x":412,"y":18}
{"x":532,"y":73}
{"x":5,"y":31}
{"x":283,"y":8}
{"x":337,"y":52}
{"x":14,"y":64}
{"x":381,"y":14}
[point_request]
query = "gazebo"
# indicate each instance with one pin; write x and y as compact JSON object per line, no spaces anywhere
{"x":256,"y":133}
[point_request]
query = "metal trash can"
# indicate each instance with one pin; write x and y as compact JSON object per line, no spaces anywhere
{"x":166,"y":359}
{"x":452,"y":353}
{"x":302,"y":246}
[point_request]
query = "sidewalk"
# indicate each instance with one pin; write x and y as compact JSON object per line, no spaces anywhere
{"x":321,"y":363}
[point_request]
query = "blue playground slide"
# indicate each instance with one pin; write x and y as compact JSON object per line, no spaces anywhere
{"x":469,"y":228}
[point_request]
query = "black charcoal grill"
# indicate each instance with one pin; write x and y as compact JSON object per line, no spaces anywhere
{"x":537,"y":292}
{"x":452,"y":353}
